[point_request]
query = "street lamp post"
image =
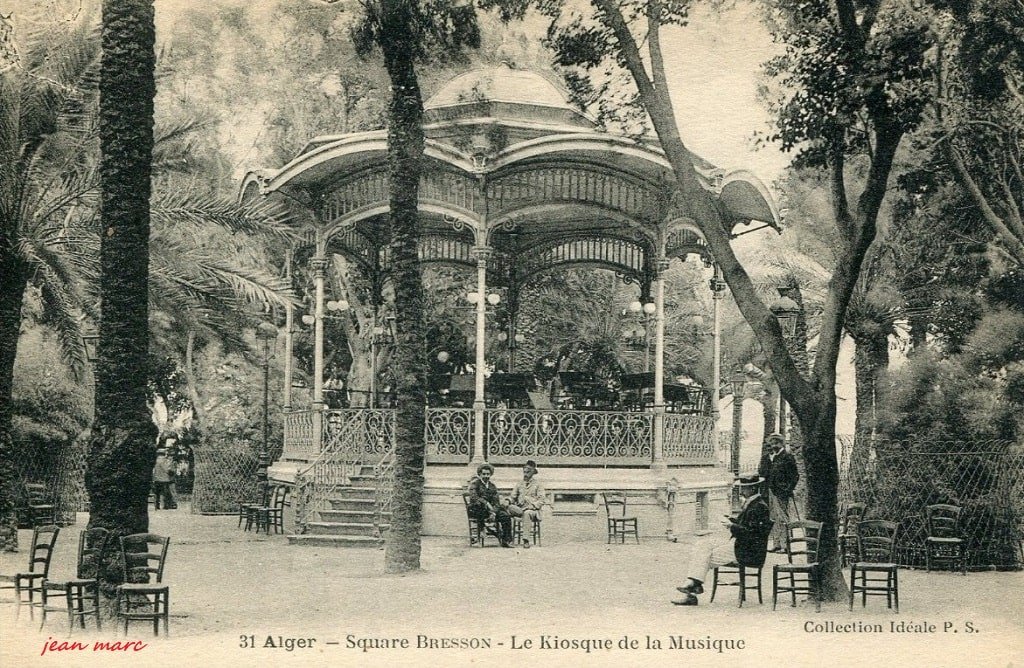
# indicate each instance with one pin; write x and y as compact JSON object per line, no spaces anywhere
{"x":738,"y":381}
{"x":645,"y":312}
{"x":266,"y":333}
{"x":787,"y":312}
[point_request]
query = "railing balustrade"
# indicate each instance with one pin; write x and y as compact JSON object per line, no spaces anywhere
{"x":298,"y":435}
{"x":555,"y":437}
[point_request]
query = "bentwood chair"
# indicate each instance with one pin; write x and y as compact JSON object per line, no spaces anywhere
{"x":81,"y":594}
{"x":876,"y":572}
{"x":143,"y":596}
{"x":852,"y":515}
{"x":28,"y":583}
{"x":620,"y":524}
{"x":944,"y":543}
{"x":802,"y":573}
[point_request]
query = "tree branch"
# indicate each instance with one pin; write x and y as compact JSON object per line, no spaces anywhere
{"x":1014,"y":245}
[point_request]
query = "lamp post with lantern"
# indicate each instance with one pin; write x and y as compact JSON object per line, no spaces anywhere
{"x":266,"y":334}
{"x":643,"y":312}
{"x":738,"y":382}
{"x":787,"y":312}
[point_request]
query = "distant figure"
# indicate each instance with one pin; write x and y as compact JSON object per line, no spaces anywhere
{"x":527,"y":497}
{"x":162,"y":481}
{"x":778,"y":467}
{"x":485,"y":503}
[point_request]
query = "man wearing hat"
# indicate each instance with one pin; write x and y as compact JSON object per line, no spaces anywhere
{"x":528,"y":496}
{"x":485,"y":502}
{"x":162,"y":481}
{"x":778,"y":467}
{"x":744,"y":543}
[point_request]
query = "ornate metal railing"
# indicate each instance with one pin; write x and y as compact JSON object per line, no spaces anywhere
{"x":352,"y":437}
{"x":298,"y":435}
{"x":448,"y":434}
{"x":384,"y":490}
{"x":568,"y":437}
{"x":690,"y":439}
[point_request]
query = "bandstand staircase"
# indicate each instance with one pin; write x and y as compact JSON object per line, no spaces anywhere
{"x":349,"y":516}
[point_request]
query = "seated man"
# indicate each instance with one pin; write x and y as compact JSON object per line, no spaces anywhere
{"x":749,"y":529}
{"x":527,"y":497}
{"x":484,"y":503}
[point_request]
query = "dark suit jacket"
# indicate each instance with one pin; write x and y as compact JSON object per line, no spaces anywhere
{"x":750,"y":530}
{"x":780,"y":474}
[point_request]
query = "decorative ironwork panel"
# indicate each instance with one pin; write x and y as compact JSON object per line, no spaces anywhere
{"x":435,"y":248}
{"x":568,"y":437}
{"x":384,"y":492}
{"x":370,"y":188}
{"x":359,"y":434}
{"x":449,"y":435}
{"x":619,"y":254}
{"x":570,"y":184}
{"x":683,"y":241}
{"x":298,"y":435}
{"x":690,"y":439}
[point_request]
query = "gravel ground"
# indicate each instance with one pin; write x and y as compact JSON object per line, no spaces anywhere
{"x":566,"y":600}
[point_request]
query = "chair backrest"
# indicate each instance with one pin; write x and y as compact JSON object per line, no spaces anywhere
{"x":853,"y":514}
{"x":43,"y":540}
{"x":280,"y":497}
{"x":92,"y":543}
{"x":141,"y":564}
{"x":614,"y":500}
{"x":37,"y":493}
{"x":943,"y":520}
{"x":877,"y":540}
{"x":803,"y":541}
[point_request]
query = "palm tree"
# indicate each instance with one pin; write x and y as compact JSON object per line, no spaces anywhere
{"x":44,"y":81}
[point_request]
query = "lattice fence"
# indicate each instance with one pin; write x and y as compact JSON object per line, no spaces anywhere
{"x":898,"y":480}
{"x":61,"y":468}
{"x":225,"y":473}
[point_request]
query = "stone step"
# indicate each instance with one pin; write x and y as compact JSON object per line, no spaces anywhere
{"x":363,"y":480}
{"x":323,"y":540}
{"x":357,"y":504}
{"x":363,"y":515}
{"x":346,"y":493}
{"x":343,"y":529}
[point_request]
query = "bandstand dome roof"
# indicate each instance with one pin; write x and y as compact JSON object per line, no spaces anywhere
{"x":501,"y":83}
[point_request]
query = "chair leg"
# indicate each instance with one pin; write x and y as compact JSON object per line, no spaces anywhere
{"x":743,"y":585}
{"x":714,"y":587}
{"x":852,"y":580}
{"x":896,"y":589}
{"x":792,"y":590}
{"x":760,"y":601}
{"x":775,"y":586}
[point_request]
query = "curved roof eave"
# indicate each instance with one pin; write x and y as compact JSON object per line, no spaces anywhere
{"x":745,"y":196}
{"x":313,"y":166}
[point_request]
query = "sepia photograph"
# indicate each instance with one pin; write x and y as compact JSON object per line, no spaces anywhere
{"x":512,"y":332}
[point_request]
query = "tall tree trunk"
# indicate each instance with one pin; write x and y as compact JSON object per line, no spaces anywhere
{"x":11,"y":298}
{"x":122,"y":446}
{"x":405,"y":152}
{"x":823,"y":492}
{"x":870,"y":361}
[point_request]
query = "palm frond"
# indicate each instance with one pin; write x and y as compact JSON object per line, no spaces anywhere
{"x":173,"y":208}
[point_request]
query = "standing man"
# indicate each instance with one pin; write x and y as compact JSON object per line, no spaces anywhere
{"x":743,"y":541}
{"x":778,"y":467}
{"x":162,"y":481}
{"x":527,"y":497}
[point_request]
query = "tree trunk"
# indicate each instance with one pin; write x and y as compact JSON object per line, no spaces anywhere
{"x":870,"y":361}
{"x":823,"y":493}
{"x":191,"y":385}
{"x":11,"y":299}
{"x":122,"y":446}
{"x":405,"y":152}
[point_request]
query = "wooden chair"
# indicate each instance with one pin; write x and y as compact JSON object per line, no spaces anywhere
{"x":944,"y":543}
{"x":877,"y":569}
{"x":82,"y":594}
{"x":143,"y":596}
{"x":741,"y":572}
{"x":39,"y":503}
{"x":247,"y":509}
{"x":479,"y":530}
{"x":620,"y":524}
{"x":803,"y":570}
{"x":272,"y":514}
{"x":517,"y":531}
{"x":852,"y":515}
{"x":28,"y":583}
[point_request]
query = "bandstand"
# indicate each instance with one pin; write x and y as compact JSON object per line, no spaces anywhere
{"x":516,"y":182}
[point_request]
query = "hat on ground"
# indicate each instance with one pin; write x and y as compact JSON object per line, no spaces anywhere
{"x":748,"y":480}
{"x":482,"y":467}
